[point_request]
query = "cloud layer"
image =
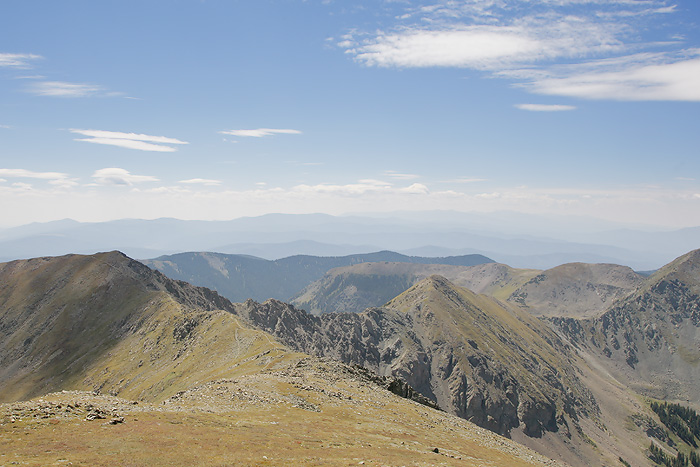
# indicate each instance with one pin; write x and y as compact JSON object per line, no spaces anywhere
{"x":141,"y":196}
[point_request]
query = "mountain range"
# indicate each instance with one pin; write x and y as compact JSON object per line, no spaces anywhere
{"x":239,"y":277}
{"x":541,"y":242}
{"x":151,"y":371}
{"x":565,"y":361}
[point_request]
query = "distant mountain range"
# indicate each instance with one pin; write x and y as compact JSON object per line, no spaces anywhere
{"x":540,"y":242}
{"x":575,"y":289}
{"x":240,"y":277}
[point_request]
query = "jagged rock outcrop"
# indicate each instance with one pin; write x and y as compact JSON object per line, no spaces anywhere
{"x":478,"y":358}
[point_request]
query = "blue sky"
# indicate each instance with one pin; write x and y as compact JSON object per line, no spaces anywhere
{"x":221,"y":109}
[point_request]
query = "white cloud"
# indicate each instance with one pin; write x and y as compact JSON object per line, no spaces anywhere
{"x":57,"y":179}
{"x":6,"y":127}
{"x":17,"y":60}
{"x":545,"y":107}
{"x":466,"y":180}
{"x":359,"y":188}
{"x":474,"y":47}
{"x":488,"y":43}
{"x":401,"y":176}
{"x":129,"y":144}
{"x":416,"y":188}
{"x":23,"y":186}
{"x":260,"y":132}
{"x":201,"y":181}
{"x":64,"y":89}
{"x":65,"y":183}
{"x":128,"y":136}
{"x":140,"y":142}
{"x":117,"y":176}
{"x":641,"y":77}
{"x":523,"y":40}
{"x":23,"y":173}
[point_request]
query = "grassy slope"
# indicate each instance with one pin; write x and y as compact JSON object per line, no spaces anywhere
{"x":577,"y":290}
{"x":508,"y":335}
{"x":364,"y":425}
{"x":94,"y":323}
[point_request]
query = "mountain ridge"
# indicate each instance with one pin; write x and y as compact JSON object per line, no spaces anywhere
{"x":239,"y":277}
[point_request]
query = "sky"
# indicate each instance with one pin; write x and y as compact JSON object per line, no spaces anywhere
{"x":217,"y":109}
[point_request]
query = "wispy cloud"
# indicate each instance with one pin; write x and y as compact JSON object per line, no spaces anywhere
{"x":64,"y":89}
{"x":57,"y":179}
{"x":119,"y":177}
{"x":18,"y":60}
{"x":487,"y":42}
{"x":640,"y":77}
{"x":260,"y":132}
{"x":466,"y":180}
{"x":524,"y":40}
{"x":545,"y":107}
{"x":359,"y":188}
{"x":23,"y":173}
{"x":401,"y":176}
{"x":201,"y":181}
{"x":362,"y":187}
{"x":137,"y":141}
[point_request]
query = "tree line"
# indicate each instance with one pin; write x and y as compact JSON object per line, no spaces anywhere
{"x":683,"y":421}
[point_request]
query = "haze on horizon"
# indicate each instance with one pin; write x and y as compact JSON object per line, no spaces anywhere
{"x":217,"y":109}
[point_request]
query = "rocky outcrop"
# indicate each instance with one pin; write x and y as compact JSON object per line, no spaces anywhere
{"x":476,"y":358}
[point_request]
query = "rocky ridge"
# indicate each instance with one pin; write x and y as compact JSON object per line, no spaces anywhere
{"x":648,"y":339}
{"x":450,"y":345}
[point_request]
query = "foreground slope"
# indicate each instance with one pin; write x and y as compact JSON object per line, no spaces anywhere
{"x":210,"y":389}
{"x":310,"y":413}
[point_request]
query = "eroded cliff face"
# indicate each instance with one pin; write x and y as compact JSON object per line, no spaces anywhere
{"x":477,"y":358}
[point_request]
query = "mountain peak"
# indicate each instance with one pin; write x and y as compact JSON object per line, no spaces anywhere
{"x":685,"y":269}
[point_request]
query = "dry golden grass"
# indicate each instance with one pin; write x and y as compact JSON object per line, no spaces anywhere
{"x":313,"y":414}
